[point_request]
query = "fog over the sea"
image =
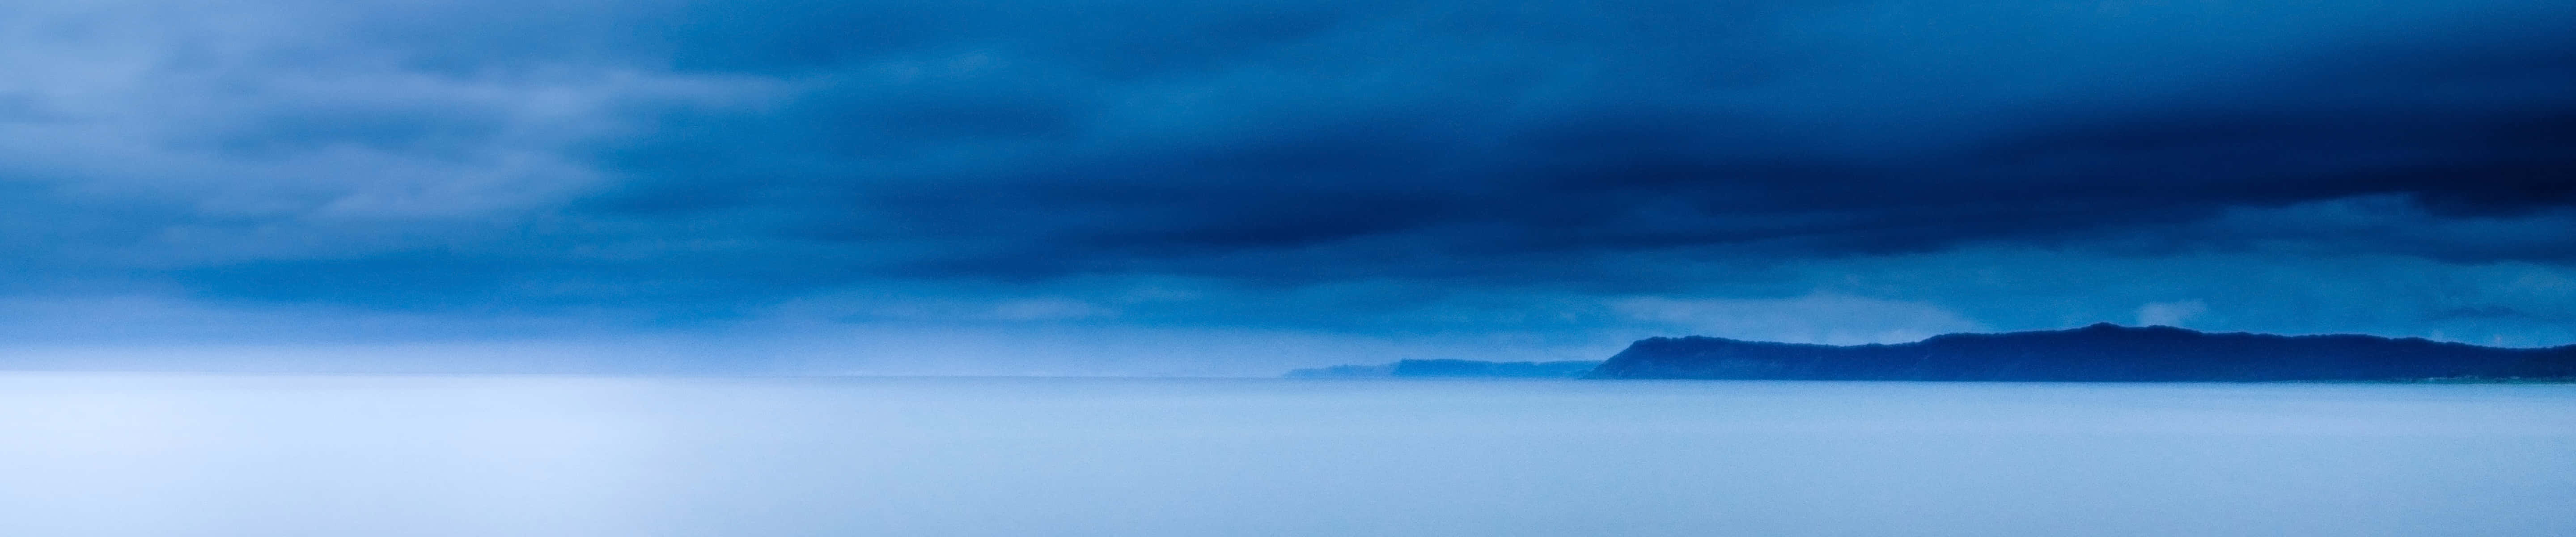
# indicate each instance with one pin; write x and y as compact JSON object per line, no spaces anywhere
{"x":1240,"y":187}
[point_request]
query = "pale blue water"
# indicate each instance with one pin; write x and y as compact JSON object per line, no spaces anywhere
{"x":175,"y":455}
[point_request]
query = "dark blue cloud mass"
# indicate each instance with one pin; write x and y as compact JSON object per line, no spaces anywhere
{"x":1455,"y":178}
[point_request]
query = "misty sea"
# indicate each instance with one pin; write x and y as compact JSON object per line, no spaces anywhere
{"x":286,"y":455}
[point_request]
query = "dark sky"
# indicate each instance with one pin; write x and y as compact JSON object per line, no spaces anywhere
{"x":1107,"y":187}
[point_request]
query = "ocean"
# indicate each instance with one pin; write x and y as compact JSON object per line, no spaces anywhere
{"x":286,"y":455}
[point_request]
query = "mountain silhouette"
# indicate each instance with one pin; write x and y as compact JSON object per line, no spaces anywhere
{"x":2102,"y":352}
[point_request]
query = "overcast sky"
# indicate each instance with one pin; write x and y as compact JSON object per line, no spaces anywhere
{"x":1113,"y":187}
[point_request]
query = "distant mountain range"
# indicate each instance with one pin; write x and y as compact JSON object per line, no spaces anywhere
{"x":2098,"y":353}
{"x":1452,"y":369}
{"x":2102,"y":352}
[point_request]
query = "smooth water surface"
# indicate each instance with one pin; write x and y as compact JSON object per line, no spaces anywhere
{"x":178,"y":455}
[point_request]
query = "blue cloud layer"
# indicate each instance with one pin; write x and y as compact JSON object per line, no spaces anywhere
{"x":1351,"y":167}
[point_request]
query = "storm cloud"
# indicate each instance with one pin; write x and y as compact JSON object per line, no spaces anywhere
{"x":1547,"y":177}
